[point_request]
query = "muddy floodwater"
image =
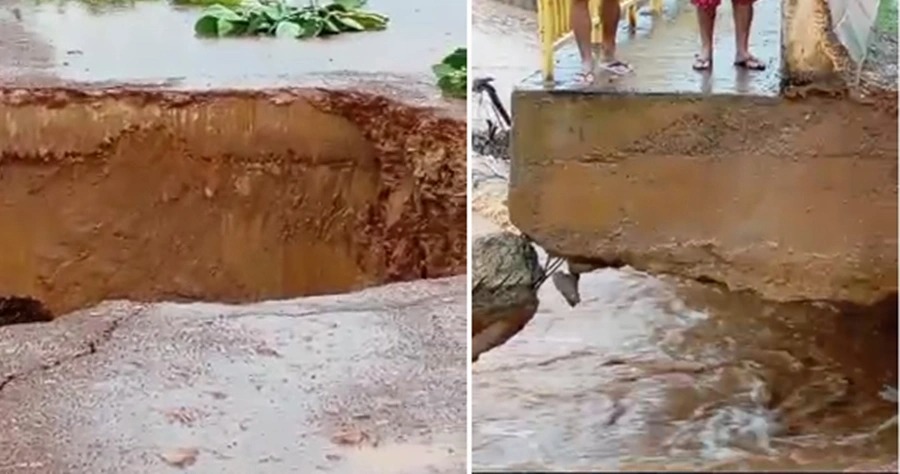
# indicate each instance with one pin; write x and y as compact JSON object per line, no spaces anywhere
{"x":659,"y":373}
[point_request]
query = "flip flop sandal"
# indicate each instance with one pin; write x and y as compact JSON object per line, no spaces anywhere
{"x":701,"y":63}
{"x":616,"y":67}
{"x":750,"y":64}
{"x":584,"y":78}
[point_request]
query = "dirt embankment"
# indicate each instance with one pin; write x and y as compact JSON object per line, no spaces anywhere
{"x":227,"y":196}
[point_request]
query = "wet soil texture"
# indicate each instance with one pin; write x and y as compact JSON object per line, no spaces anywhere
{"x":162,"y":166}
{"x":225,"y":196}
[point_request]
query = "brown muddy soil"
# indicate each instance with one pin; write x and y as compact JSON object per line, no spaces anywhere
{"x":225,"y":196}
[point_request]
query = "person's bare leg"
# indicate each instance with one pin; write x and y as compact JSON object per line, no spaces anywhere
{"x":706,"y":18}
{"x":581,"y":28}
{"x":610,"y":14}
{"x":743,"y":20}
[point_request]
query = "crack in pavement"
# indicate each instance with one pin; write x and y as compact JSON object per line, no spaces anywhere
{"x":91,"y":347}
{"x":356,"y":308}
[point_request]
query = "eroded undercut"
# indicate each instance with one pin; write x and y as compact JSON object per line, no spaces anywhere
{"x":225,"y":196}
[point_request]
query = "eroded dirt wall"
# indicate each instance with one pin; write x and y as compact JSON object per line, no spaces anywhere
{"x":224,"y":196}
{"x":794,"y":199}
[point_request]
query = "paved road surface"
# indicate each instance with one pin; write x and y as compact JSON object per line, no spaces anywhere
{"x":373,"y":381}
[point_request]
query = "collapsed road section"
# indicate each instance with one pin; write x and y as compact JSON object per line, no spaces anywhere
{"x":230,"y":196}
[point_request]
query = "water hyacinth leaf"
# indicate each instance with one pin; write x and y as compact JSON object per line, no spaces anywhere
{"x":222,"y":12}
{"x":350,"y":24}
{"x":452,"y":74}
{"x":258,"y":24}
{"x":442,"y":69}
{"x":457,"y":59}
{"x":336,"y":8}
{"x":224,"y":27}
{"x":274,"y":13}
{"x":311,"y":28}
{"x":285,"y":20}
{"x":330,"y":27}
{"x":288,"y":29}
{"x":370,"y":23}
{"x":351,"y":4}
{"x":207,"y":26}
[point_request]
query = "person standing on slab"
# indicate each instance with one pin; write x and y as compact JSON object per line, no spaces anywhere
{"x":610,"y":11}
{"x":743,"y":18}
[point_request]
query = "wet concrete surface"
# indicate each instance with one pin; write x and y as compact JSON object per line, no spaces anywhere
{"x":373,"y":381}
{"x":514,"y":51}
{"x":152,"y":44}
{"x":661,"y":51}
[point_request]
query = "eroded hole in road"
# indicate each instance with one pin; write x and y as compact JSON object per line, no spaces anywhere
{"x":224,"y":196}
{"x":22,"y":310}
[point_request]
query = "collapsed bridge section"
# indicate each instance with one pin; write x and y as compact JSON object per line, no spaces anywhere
{"x":726,"y":176}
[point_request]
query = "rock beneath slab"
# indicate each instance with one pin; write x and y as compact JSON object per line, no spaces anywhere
{"x":505,"y":277}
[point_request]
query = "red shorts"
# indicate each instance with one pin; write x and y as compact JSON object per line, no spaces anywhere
{"x":713,"y":4}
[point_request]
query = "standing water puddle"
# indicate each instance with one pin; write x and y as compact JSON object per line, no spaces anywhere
{"x":153,"y":42}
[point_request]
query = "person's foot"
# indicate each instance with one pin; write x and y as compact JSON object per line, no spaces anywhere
{"x":702,"y":62}
{"x":610,"y":63}
{"x":615,"y":66}
{"x":750,"y":63}
{"x":586,"y":75}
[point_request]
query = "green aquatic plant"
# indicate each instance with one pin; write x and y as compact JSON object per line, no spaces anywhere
{"x":206,"y":3}
{"x":97,"y":5}
{"x":452,"y":74}
{"x":886,"y":19}
{"x":280,"y":19}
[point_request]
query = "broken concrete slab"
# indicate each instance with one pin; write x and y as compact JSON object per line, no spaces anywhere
{"x":796,"y":200}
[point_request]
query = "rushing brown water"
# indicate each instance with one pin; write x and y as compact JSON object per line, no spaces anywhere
{"x":657,"y":373}
{"x":654,"y":373}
